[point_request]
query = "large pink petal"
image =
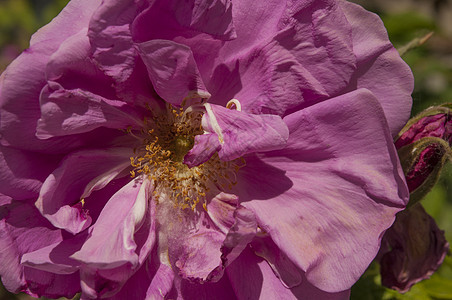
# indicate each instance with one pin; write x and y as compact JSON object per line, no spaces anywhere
{"x":79,"y":174}
{"x":347,"y":186}
{"x":378,"y":64}
{"x":119,"y":242}
{"x":172,"y":70}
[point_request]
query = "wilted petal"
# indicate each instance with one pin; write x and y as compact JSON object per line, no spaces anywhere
{"x":240,"y":133}
{"x":61,"y":194}
{"x":343,"y":196}
{"x":66,"y":112}
{"x":172,"y":70}
{"x":412,"y":249}
{"x":216,"y":240}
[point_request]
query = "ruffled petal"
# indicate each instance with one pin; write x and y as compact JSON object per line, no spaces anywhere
{"x":66,"y":112}
{"x":309,"y":59}
{"x":347,"y":186}
{"x":22,"y":230}
{"x":240,"y":133}
{"x":111,"y":239}
{"x":172,"y":70}
{"x":111,"y":39}
{"x":19,"y":107}
{"x":61,"y":194}
{"x":379,"y":63}
{"x":204,"y":18}
{"x":71,"y":66}
{"x":201,"y":252}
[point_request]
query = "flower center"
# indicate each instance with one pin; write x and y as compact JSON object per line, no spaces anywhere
{"x":166,"y":139}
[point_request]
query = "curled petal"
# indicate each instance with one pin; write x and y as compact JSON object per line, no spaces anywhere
{"x":111,"y":239}
{"x":22,"y":230}
{"x":66,"y":112}
{"x":61,"y":194}
{"x":172,"y":70}
{"x":240,"y":133}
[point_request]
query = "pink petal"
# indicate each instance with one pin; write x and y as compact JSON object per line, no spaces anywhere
{"x":379,"y":62}
{"x":111,"y":40}
{"x":212,"y":17}
{"x":252,"y":278}
{"x":215,"y":240}
{"x":61,"y":193}
{"x":346,"y":187}
{"x":66,"y":112}
{"x":308,"y":59}
{"x":111,"y":242}
{"x":172,"y":70}
{"x":51,"y":285}
{"x":23,"y":172}
{"x":19,"y":108}
{"x":282,"y":266}
{"x":55,"y":258}
{"x":22,"y":230}
{"x":71,"y":66}
{"x":241,"y":133}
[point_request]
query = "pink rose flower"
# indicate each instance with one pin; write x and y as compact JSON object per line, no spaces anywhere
{"x":200,"y":150}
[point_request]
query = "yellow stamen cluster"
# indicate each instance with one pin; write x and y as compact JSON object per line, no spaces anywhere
{"x":166,"y":140}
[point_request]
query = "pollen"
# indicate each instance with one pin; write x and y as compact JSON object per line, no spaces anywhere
{"x":166,"y":139}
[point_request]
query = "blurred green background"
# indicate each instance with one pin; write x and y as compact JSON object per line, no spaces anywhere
{"x":432,"y":67}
